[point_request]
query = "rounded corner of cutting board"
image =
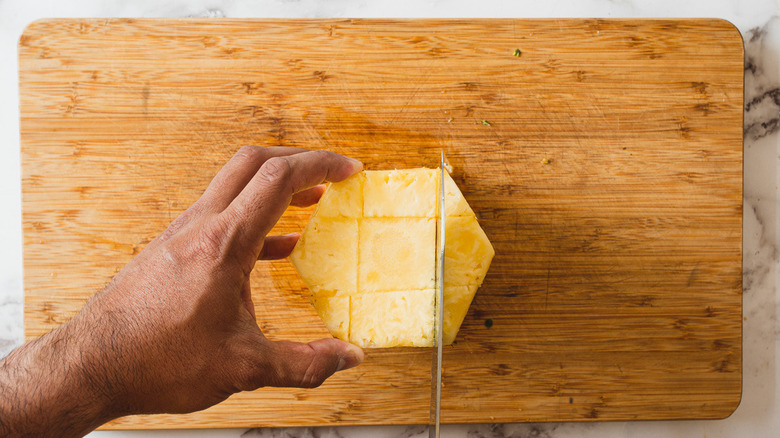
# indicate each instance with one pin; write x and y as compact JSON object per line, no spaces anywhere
{"x":36,"y":26}
{"x":736,"y":401}
{"x":736,"y":36}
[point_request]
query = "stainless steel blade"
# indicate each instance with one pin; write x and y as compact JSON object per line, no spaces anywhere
{"x":434,"y":430}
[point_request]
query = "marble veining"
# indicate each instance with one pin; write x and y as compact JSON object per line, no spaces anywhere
{"x":762,"y":97}
{"x":759,"y":22}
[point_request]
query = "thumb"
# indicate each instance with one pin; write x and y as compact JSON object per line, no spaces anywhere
{"x":308,"y":365}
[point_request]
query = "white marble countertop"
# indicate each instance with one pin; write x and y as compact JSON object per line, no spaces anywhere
{"x":759,"y":21}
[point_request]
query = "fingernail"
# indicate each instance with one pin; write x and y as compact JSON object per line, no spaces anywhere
{"x":357,"y":165}
{"x":352,"y":358}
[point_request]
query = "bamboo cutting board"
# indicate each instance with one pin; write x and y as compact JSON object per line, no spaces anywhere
{"x":604,"y":163}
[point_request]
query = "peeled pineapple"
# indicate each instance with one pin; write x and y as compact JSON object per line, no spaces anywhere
{"x":368,"y":256}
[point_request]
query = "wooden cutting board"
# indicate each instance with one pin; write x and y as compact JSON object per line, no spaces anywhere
{"x":604,"y":163}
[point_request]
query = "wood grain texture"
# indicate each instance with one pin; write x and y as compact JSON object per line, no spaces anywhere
{"x":609,"y":180}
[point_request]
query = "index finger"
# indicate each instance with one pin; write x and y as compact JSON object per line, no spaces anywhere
{"x":237,"y":173}
{"x":259,"y":206}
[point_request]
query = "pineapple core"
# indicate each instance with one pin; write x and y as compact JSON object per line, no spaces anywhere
{"x":368,"y":256}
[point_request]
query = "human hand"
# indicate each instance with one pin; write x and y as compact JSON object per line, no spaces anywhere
{"x":175,"y":330}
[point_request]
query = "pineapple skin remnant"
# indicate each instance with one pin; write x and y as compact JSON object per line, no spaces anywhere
{"x":368,"y":258}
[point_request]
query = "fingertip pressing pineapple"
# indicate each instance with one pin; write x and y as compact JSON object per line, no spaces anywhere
{"x":368,"y":257}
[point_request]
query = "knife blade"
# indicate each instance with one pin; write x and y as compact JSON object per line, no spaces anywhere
{"x":438,"y":314}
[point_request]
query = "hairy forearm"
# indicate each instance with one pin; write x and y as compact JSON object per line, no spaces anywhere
{"x":175,"y":331}
{"x":46,"y":389}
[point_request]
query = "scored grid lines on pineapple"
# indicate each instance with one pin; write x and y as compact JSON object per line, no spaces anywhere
{"x":367,"y":257}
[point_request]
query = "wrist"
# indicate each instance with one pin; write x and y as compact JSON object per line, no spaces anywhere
{"x":91,"y":380}
{"x":45,"y":389}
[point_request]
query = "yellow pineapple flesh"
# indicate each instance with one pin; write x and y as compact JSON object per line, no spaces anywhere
{"x":368,"y":256}
{"x":334,"y":310}
{"x":400,"y":193}
{"x":396,"y":254}
{"x":392,"y":318}
{"x":326,"y":256}
{"x":467,"y":252}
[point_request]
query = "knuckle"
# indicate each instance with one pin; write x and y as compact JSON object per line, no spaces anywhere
{"x":276,"y":170}
{"x":211,"y":241}
{"x":249,"y":151}
{"x":181,"y":221}
{"x":314,"y":376}
{"x":321,"y":155}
